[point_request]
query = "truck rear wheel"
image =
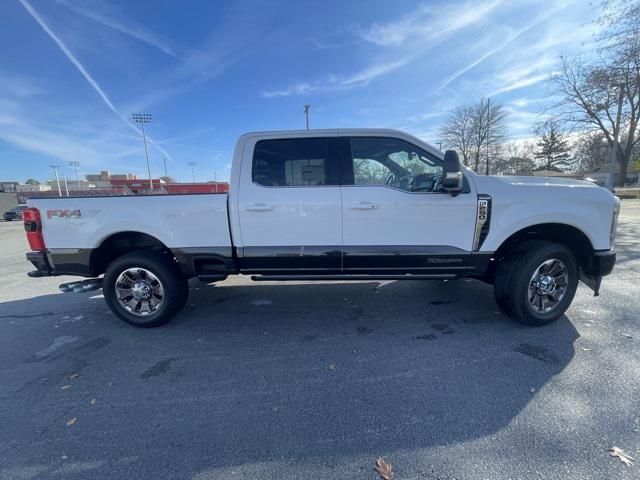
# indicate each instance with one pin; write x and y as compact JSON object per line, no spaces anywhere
{"x":145,"y":289}
{"x":536,"y":284}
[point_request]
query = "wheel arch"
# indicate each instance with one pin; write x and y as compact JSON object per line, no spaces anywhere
{"x":120,"y":243}
{"x":570,"y":236}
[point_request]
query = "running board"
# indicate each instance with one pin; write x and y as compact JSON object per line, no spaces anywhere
{"x":438,"y":276}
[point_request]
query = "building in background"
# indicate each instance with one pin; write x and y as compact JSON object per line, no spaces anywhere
{"x":106,"y":176}
{"x":41,"y":187}
{"x":601,"y":174}
{"x":8,"y":187}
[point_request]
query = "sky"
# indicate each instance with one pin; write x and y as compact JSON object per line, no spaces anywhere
{"x":73,"y":71}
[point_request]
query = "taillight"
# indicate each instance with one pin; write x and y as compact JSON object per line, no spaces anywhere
{"x":33,"y":227}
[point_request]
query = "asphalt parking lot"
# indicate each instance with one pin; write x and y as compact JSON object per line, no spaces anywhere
{"x":295,"y":380}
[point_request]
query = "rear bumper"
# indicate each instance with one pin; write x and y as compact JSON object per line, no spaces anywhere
{"x":599,"y":265}
{"x":41,"y":262}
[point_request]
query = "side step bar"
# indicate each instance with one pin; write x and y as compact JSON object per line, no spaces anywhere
{"x":269,"y":278}
{"x":81,"y":286}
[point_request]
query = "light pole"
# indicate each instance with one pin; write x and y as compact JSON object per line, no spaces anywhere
{"x":215,"y":180}
{"x":193,"y":170}
{"x":75,"y":164}
{"x":55,"y":171}
{"x":143,"y":118}
{"x":66,"y":187}
{"x":164,"y":160}
{"x":306,"y":116}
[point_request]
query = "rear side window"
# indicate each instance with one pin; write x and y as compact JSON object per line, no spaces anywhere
{"x":295,"y":162}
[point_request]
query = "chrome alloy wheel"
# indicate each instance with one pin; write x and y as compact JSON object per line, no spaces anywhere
{"x":548,"y":285}
{"x":139,"y":291}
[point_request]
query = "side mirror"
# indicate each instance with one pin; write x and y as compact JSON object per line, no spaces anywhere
{"x":452,"y":178}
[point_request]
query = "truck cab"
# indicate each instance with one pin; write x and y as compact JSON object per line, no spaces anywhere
{"x":356,"y":204}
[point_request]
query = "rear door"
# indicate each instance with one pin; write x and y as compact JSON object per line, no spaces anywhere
{"x":289,"y":206}
{"x":396,"y":218}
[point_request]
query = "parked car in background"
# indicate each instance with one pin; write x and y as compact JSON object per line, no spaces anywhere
{"x":360,"y":204}
{"x":14,"y":213}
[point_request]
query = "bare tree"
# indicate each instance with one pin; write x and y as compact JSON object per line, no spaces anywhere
{"x":475,"y":131}
{"x":590,"y":91}
{"x":514,"y":158}
{"x":552,"y":148}
{"x":457,"y":132}
{"x":489,"y":128}
{"x":591,"y":152}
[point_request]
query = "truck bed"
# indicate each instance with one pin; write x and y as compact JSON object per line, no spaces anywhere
{"x":175,"y":220}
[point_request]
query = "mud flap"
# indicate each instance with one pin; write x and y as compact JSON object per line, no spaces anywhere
{"x":593,"y":282}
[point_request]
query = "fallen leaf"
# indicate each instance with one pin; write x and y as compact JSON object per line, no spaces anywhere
{"x":626,"y":335}
{"x":63,"y":457}
{"x":532,"y":390}
{"x":332,"y":366}
{"x":64,"y":387}
{"x":93,"y":401}
{"x":624,"y":458}
{"x":72,"y":376}
{"x":72,"y":421}
{"x":384,"y":469}
{"x":622,"y":455}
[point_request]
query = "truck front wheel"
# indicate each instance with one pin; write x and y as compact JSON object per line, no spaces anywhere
{"x":537,"y":285}
{"x":145,"y":289}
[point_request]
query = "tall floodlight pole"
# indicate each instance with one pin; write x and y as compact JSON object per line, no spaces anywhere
{"x":193,"y":170}
{"x":55,"y":171}
{"x":66,"y":187}
{"x":75,"y":164}
{"x":215,"y":180}
{"x":614,"y":148}
{"x":143,"y":118}
{"x":306,"y":116}
{"x":164,"y":160}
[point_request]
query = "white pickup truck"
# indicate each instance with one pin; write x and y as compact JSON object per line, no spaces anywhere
{"x":324,"y":205}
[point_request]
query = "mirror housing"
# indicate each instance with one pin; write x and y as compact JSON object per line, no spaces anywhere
{"x":452,"y":178}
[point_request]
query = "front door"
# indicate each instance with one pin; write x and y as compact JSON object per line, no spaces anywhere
{"x":289,"y":206}
{"x":396,"y":218}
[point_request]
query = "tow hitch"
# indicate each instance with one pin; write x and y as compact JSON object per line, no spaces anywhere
{"x":81,"y":286}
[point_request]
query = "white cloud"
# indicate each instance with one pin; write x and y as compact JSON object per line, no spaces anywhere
{"x":18,"y":86}
{"x":522,"y":82}
{"x":370,"y":73}
{"x":411,"y":36}
{"x":427,"y":23}
{"x":298,"y":88}
{"x":501,"y":46}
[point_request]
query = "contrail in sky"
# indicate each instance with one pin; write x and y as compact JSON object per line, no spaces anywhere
{"x":72,"y":58}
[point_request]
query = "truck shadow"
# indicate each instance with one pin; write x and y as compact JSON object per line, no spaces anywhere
{"x":249,"y":375}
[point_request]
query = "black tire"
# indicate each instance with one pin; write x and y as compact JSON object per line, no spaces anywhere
{"x":175,"y":287}
{"x":514,"y":276}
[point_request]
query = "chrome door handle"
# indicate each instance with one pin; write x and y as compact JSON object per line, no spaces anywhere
{"x":258,"y":207}
{"x":364,"y":205}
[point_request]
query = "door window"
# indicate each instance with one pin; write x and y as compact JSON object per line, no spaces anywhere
{"x":294,"y":162}
{"x":394,"y":163}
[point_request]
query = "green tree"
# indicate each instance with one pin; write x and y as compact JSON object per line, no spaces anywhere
{"x":552,"y":148}
{"x":32,"y":181}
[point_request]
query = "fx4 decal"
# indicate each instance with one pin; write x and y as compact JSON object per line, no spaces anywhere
{"x":63,"y":213}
